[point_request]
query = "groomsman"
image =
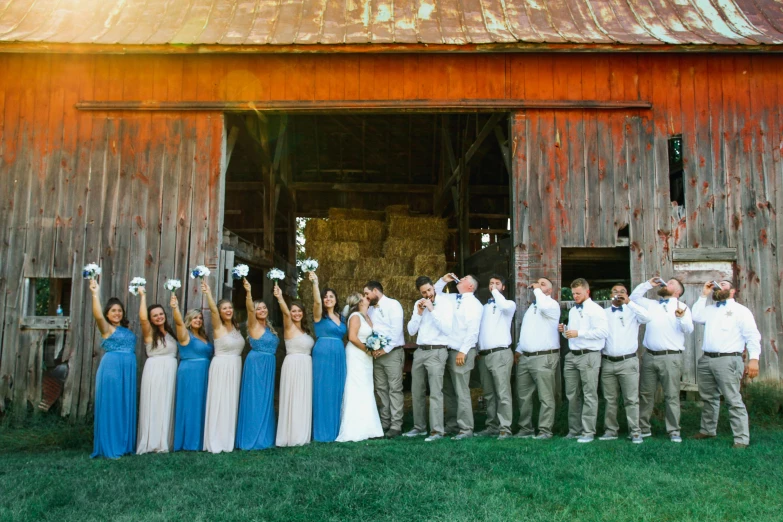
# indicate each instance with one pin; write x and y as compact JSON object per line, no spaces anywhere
{"x":496,"y":359}
{"x":462,"y":354}
{"x":664,"y":338}
{"x":538,"y":361}
{"x":620,"y":364}
{"x":431,"y":320}
{"x":387,"y":317}
{"x":729,"y":328}
{"x":586,"y":333}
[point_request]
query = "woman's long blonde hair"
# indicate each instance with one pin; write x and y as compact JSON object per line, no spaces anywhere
{"x":268,"y":320}
{"x":352,"y":303}
{"x":192,"y":314}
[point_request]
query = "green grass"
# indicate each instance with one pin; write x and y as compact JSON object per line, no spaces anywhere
{"x":46,"y":474}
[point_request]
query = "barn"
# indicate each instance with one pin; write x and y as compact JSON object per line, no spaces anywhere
{"x":610,"y":139}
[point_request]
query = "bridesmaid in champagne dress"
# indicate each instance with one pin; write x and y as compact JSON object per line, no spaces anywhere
{"x":295,"y":422}
{"x":256,"y":425}
{"x":158,"y":380}
{"x":225,"y":374}
{"x":115,"y":383}
{"x":195,"y":352}
{"x":328,"y":363}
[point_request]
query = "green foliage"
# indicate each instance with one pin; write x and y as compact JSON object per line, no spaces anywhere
{"x":42,"y":294}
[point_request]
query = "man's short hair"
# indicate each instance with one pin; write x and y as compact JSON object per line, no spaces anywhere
{"x":499,"y":278}
{"x":421,"y":281}
{"x":580,"y":282}
{"x":620,"y":284}
{"x":475,"y":281}
{"x":682,"y":286}
{"x":550,"y":281}
{"x":374,"y":285}
{"x":731,"y":285}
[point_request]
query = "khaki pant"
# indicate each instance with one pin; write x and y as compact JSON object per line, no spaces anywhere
{"x":428,"y":365}
{"x":537,"y":373}
{"x":721,"y":376}
{"x":387,"y":373}
{"x":456,"y":393}
{"x":495,"y":373}
{"x":581,"y":383}
{"x":666,"y":369}
{"x":616,"y":377}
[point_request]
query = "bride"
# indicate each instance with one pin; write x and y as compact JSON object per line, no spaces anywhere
{"x":359,"y":420}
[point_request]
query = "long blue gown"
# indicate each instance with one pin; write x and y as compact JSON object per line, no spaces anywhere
{"x":192,"y":378}
{"x":115,"y":397}
{"x":256,"y":423}
{"x":328,"y":378}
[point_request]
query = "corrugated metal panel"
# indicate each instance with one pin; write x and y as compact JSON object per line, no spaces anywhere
{"x":303,"y":22}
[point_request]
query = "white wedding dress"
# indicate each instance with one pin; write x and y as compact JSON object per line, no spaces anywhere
{"x":359,"y":419}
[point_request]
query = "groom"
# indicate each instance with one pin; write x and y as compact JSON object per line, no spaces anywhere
{"x":387,"y":316}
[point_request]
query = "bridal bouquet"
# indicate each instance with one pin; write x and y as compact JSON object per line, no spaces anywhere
{"x":377,"y":341}
{"x":200,"y":271}
{"x":276,"y":275}
{"x":91,"y":271}
{"x":172,"y":285}
{"x":309,"y":265}
{"x":239,"y":271}
{"x":135,"y":284}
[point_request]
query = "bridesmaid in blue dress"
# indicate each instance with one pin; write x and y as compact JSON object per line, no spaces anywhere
{"x":256,"y":425}
{"x":195,"y":352}
{"x":115,"y":383}
{"x":328,"y":364}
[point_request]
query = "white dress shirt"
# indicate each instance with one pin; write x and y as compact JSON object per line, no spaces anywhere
{"x":590,"y":321}
{"x":467,"y":318}
{"x":665,"y":331}
{"x":624,"y":324}
{"x":387,"y":318}
{"x":539,"y":325}
{"x":728,"y":328}
{"x":433,"y":327}
{"x":495,"y":330}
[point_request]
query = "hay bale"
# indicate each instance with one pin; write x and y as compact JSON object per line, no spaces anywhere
{"x":402,"y":288}
{"x":430,"y":265}
{"x":356,"y":230}
{"x":331,"y":270}
{"x":406,"y":247}
{"x":316,"y":230}
{"x":370,"y":249}
{"x":398,"y":210}
{"x":332,"y":251}
{"x":418,"y":227}
{"x":377,"y":268}
{"x":356,"y":213}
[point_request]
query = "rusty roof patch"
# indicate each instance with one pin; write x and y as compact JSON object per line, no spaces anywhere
{"x":308,"y":22}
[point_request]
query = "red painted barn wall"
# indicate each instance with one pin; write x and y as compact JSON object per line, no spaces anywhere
{"x":78,"y":185}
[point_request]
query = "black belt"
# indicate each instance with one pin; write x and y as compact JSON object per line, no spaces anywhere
{"x":618,"y":358}
{"x":582,"y":352}
{"x":543,"y":352}
{"x":714,"y":355}
{"x":664,"y":352}
{"x":432,"y":346}
{"x":493,"y":350}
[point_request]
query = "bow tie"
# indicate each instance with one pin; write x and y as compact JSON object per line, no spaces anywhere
{"x":720,"y":303}
{"x":491,"y":300}
{"x":459,"y":296}
{"x":534,"y":302}
{"x":617,"y":309}
{"x":663,"y":301}
{"x":578,"y":307}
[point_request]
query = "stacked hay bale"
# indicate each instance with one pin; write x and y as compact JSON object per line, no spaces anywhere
{"x":355,"y":246}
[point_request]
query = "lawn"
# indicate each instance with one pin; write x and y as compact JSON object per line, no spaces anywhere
{"x":46,"y":473}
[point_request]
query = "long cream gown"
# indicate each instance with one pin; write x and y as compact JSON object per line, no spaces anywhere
{"x":156,"y":403}
{"x":225,"y":377}
{"x":295,"y":422}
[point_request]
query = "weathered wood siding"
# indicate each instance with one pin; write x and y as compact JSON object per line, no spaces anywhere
{"x":142,"y":192}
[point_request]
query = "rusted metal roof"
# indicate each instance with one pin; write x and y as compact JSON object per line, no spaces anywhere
{"x":338,"y":22}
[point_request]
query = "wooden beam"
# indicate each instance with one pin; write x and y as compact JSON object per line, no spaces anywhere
{"x":233,"y":135}
{"x":491,"y":231}
{"x":503,"y":143}
{"x":704,"y":254}
{"x":362,"y":187}
{"x":490,"y":216}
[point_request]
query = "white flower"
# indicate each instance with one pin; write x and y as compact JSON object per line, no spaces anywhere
{"x":240,"y":271}
{"x":91,"y":271}
{"x":309,"y":265}
{"x":276,"y":273}
{"x":135,"y":284}
{"x":200,"y":271}
{"x":172,"y":285}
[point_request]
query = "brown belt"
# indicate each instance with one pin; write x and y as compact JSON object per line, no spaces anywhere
{"x":543,"y":352}
{"x":664,"y":352}
{"x":618,"y":358}
{"x":432,"y":346}
{"x":583,"y":352}
{"x":493,"y":350}
{"x":714,"y":355}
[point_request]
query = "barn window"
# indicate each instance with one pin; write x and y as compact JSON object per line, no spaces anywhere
{"x":676,"y":175}
{"x":602,"y":267}
{"x":47,"y":296}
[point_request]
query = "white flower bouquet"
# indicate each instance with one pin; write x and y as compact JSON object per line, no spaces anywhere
{"x":135,"y":284}
{"x":172,"y":285}
{"x":240,"y":271}
{"x":377,"y":341}
{"x":309,"y":265}
{"x":91,"y":271}
{"x":200,"y":271}
{"x":276,"y":275}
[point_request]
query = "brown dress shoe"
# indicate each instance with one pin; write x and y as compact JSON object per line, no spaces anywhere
{"x":701,"y":436}
{"x":739,"y":445}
